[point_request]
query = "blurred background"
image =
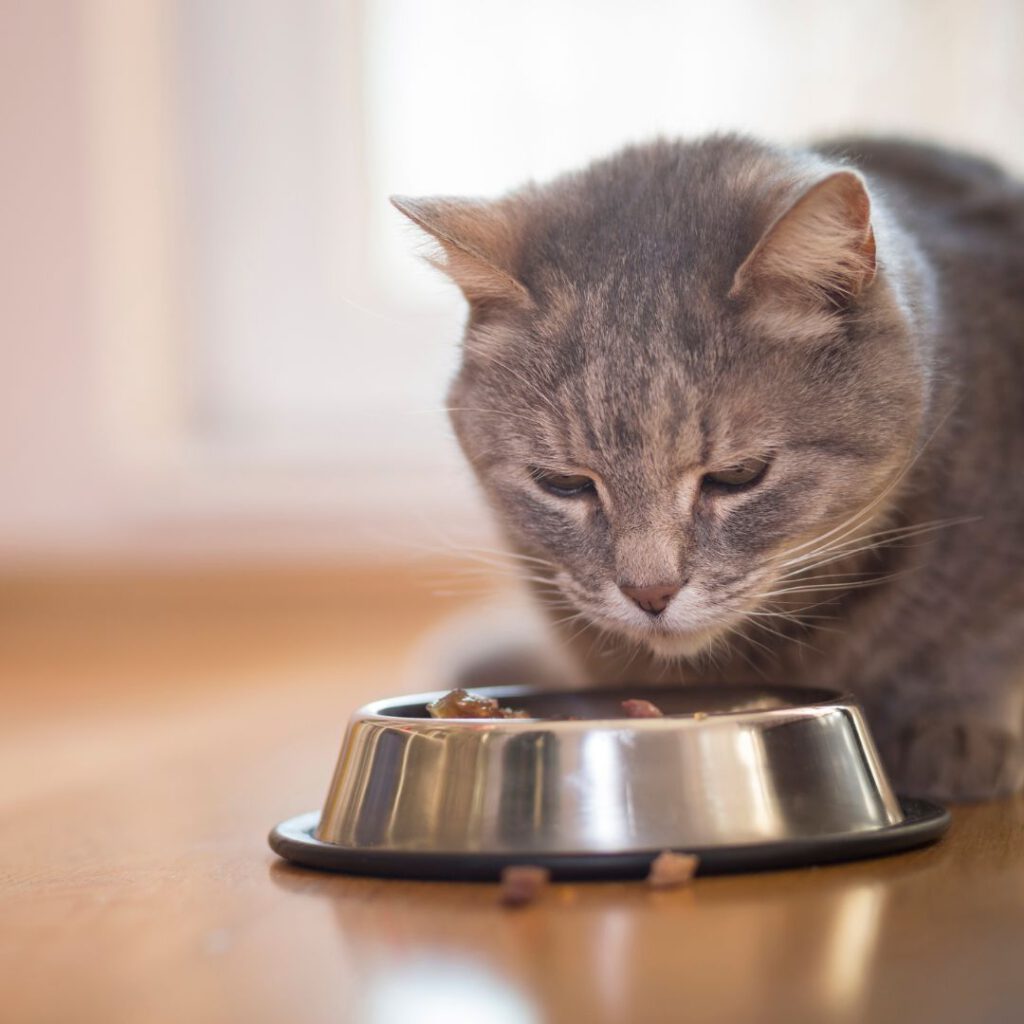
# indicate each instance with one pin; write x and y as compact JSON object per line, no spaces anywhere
{"x":219,"y":342}
{"x":230,"y":503}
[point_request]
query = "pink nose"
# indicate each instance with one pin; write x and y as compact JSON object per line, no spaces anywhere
{"x":654,"y":600}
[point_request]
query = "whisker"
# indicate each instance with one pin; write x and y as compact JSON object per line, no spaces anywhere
{"x":833,"y":586}
{"x":733,"y":648}
{"x":518,"y":556}
{"x":786,"y":637}
{"x":531,"y":385}
{"x":442,"y":409}
{"x":498,"y":577}
{"x":794,"y":617}
{"x":900,"y":475}
{"x":568,"y":618}
{"x":586,"y":625}
{"x":637,"y":648}
{"x":493,"y":564}
{"x":749,"y":639}
{"x":894,"y":534}
{"x":836,"y":557}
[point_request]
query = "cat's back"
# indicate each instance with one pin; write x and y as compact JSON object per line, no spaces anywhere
{"x":967,"y":214}
{"x":966,"y":211}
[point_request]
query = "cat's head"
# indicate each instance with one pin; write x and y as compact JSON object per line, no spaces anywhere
{"x":681,"y":365}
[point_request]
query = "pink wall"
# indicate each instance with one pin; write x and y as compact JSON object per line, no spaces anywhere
{"x":49,"y":461}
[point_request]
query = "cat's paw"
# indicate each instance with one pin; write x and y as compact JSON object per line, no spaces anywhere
{"x":956,"y":758}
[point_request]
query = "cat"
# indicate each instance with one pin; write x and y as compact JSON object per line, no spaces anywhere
{"x":746,"y":412}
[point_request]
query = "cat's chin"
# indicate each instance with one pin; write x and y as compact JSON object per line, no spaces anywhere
{"x":680,"y":645}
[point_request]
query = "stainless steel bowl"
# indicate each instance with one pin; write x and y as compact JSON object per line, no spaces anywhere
{"x":778,"y":774}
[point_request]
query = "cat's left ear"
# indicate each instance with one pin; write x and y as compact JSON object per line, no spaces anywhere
{"x":820,"y":251}
{"x":479,"y":245}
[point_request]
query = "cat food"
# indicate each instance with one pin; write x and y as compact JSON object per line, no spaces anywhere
{"x":641,"y":709}
{"x":522,"y":884}
{"x":669,"y":870}
{"x":462,"y":704}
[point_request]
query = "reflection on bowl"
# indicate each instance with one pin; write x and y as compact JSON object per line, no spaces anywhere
{"x":725,"y":766}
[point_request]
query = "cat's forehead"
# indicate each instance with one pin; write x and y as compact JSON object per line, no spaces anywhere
{"x":627,"y":320}
{"x":626,"y":297}
{"x":625,"y":361}
{"x":652,"y":222}
{"x":627,"y":405}
{"x":640,"y":360}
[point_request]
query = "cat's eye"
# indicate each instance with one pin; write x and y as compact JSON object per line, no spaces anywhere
{"x":736,"y":477}
{"x":563,"y":485}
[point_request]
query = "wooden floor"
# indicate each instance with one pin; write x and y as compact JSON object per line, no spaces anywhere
{"x":153,"y":731}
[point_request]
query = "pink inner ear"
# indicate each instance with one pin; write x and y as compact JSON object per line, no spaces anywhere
{"x":821,"y":249}
{"x":478,"y":245}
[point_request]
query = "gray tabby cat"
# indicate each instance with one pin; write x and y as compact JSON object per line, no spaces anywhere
{"x":749,"y":413}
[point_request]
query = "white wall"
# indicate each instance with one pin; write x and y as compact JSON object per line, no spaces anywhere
{"x":216,"y":334}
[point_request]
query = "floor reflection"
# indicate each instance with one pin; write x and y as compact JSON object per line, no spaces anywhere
{"x":432,"y":989}
{"x":848,"y":948}
{"x":800,"y":946}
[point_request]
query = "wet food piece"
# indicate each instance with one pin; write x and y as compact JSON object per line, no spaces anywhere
{"x":669,"y":870}
{"x":463,"y":704}
{"x":641,"y":709}
{"x":522,"y":884}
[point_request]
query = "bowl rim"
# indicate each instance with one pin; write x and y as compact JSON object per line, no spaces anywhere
{"x":923,"y":822}
{"x":827,"y":701}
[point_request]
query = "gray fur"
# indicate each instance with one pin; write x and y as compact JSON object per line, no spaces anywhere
{"x":901,"y":407}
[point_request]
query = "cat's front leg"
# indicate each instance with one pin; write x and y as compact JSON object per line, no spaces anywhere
{"x":960,"y":757}
{"x":956,"y":751}
{"x":502,"y":642}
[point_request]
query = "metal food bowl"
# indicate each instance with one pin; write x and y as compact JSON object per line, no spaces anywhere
{"x":746,"y":777}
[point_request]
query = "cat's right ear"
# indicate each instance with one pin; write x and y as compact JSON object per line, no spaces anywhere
{"x":478,"y":246}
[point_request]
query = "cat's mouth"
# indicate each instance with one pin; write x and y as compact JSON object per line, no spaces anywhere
{"x":682,"y":630}
{"x":698,"y":620}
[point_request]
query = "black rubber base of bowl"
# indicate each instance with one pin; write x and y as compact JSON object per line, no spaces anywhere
{"x":294,"y":840}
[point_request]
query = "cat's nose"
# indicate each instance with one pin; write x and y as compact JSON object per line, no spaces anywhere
{"x":654,"y":600}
